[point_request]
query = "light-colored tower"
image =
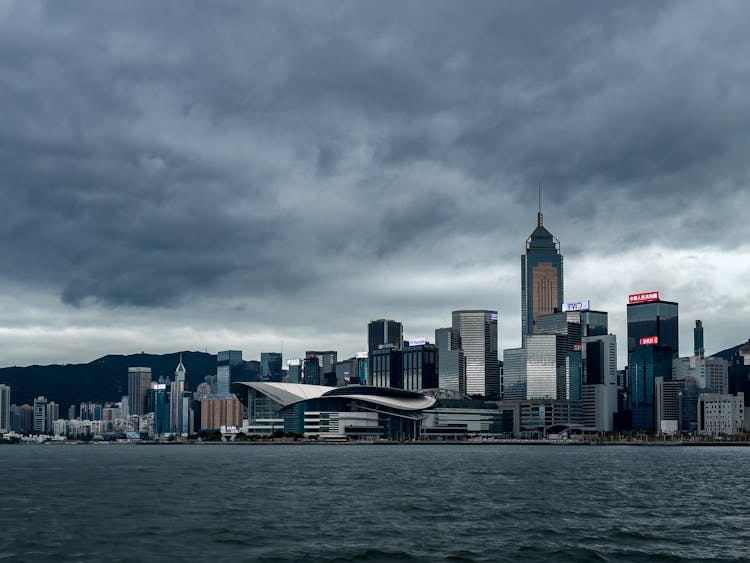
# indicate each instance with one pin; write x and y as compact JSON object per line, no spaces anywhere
{"x":178,"y":416}
{"x":477,"y":338}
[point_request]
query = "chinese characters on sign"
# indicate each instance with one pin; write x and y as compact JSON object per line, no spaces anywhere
{"x":643,"y":297}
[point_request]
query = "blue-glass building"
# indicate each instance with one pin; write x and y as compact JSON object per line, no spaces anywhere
{"x":653,"y":342}
{"x":541,"y":278}
{"x":158,"y":403}
{"x":270,"y":366}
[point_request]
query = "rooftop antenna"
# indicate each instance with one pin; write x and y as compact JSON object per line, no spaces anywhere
{"x":539,"y":214}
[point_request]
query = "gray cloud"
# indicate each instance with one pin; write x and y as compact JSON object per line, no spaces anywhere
{"x":157,"y":157}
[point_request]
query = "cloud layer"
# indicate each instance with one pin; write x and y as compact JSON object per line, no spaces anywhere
{"x":185,"y":175}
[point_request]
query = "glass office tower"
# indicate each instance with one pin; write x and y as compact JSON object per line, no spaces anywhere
{"x":227,"y":362}
{"x":541,"y":278}
{"x":477,"y":335}
{"x":653,"y":342}
{"x":270,"y":366}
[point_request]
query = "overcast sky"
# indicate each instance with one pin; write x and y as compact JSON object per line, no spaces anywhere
{"x":213,"y":175}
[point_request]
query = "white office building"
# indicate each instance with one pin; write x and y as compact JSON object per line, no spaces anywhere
{"x":721,"y":414}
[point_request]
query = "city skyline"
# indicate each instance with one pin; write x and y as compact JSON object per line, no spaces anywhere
{"x":169,"y":191}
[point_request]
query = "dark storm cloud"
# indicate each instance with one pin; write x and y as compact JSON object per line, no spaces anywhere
{"x":154,"y":153}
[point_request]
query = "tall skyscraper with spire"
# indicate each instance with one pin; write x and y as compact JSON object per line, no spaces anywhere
{"x":541,"y":276}
{"x":179,"y":407}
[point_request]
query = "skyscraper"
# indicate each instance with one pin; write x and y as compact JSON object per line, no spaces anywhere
{"x":541,"y":277}
{"x":451,"y":360}
{"x":139,"y":382}
{"x":226,"y":362}
{"x":4,"y":408}
{"x":40,"y":415}
{"x":477,"y":334}
{"x":327,"y":364}
{"x":270,"y":366}
{"x":157,"y":400}
{"x":384,"y":332}
{"x":653,"y":344}
{"x":698,"y":339}
{"x":179,"y":419}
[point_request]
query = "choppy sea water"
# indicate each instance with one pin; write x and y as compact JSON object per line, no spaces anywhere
{"x":377,"y":503}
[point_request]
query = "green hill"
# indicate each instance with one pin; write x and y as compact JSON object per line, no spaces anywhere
{"x":103,"y":380}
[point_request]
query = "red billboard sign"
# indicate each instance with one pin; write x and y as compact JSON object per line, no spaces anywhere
{"x":643,"y":297}
{"x":649,"y":340}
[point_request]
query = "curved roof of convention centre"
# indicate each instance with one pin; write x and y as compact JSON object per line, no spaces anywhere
{"x":290,"y":393}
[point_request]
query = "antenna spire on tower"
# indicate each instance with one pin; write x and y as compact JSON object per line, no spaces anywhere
{"x":539,"y":220}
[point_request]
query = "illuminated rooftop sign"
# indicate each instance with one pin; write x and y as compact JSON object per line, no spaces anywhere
{"x":649,"y":340}
{"x":643,"y":297}
{"x":417,"y":341}
{"x":577,"y":306}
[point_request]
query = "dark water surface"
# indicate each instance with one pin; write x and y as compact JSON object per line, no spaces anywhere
{"x":389,"y":503}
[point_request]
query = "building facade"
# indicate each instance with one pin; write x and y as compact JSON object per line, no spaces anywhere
{"x":721,"y":414}
{"x":139,"y":382}
{"x":653,"y":344}
{"x":270,"y":366}
{"x":541,"y":278}
{"x":4,"y":408}
{"x":227,"y":363}
{"x":477,"y":338}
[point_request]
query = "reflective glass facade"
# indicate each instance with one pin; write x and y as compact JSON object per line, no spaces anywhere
{"x":227,"y":363}
{"x":311,"y":371}
{"x":541,"y":366}
{"x":594,"y":323}
{"x":477,"y":334}
{"x":648,"y":361}
{"x":387,"y":368}
{"x":566,"y":327}
{"x":420,"y":370}
{"x":383,"y":332}
{"x":514,"y":373}
{"x":270,"y":366}
{"x":451,"y":360}
{"x":541,"y":278}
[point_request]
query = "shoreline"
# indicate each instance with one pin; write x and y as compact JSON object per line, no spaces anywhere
{"x":566,"y":443}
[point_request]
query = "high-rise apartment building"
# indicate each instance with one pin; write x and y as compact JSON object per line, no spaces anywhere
{"x":227,"y":362}
{"x":477,"y":335}
{"x":40,"y":423}
{"x":653,"y":344}
{"x":541,"y":278}
{"x":4,"y":408}
{"x":139,"y":382}
{"x":220,"y":410}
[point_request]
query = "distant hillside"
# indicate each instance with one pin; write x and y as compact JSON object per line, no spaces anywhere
{"x":102,"y":380}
